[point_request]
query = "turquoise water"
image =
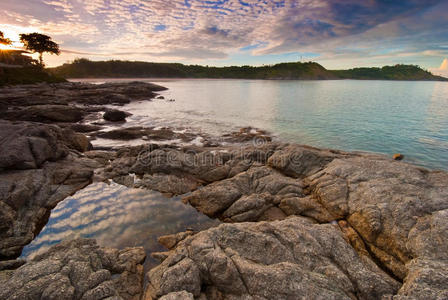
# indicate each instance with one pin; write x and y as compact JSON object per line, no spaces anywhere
{"x":379,"y":116}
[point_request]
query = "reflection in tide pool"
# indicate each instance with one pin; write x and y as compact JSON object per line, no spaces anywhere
{"x":119,"y":217}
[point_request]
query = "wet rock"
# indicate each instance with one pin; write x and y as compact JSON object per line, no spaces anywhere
{"x":51,"y":103}
{"x":248,"y":134}
{"x":286,"y":259}
{"x":115,"y":115}
{"x":122,"y":134}
{"x":150,"y":134}
{"x":78,"y":269}
{"x":47,"y":114}
{"x":85,"y":128}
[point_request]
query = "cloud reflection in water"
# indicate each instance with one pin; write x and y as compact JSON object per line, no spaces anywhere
{"x":117,"y":216}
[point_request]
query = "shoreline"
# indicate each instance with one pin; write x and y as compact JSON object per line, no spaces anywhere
{"x":328,"y":222}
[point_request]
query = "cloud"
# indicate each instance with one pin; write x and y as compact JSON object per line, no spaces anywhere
{"x":195,"y":30}
{"x":442,"y":70}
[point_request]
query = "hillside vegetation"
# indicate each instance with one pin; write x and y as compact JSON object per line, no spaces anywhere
{"x":83,"y":68}
{"x":397,"y":72}
{"x":17,"y":68}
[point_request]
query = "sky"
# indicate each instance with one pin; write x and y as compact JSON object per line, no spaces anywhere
{"x":335,"y":33}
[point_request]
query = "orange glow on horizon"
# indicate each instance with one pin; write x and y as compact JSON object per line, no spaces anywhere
{"x":13,"y":32}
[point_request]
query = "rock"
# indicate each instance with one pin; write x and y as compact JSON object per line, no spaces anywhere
{"x":248,"y":134}
{"x":246,"y":196}
{"x":183,"y":295}
{"x":388,"y":212}
{"x":11,"y":264}
{"x":37,"y":171}
{"x":27,"y":197}
{"x":286,"y":259}
{"x":76,"y":141}
{"x":78,"y":269}
{"x":84,"y":128}
{"x":168,"y":184}
{"x":85,"y":93}
{"x":47,"y":114}
{"x":382,"y":201}
{"x":29,"y":145}
{"x":103,"y":157}
{"x":170,"y":241}
{"x":122,"y":134}
{"x":152,"y":134}
{"x":160,"y":97}
{"x":398,"y":156}
{"x":115,"y":115}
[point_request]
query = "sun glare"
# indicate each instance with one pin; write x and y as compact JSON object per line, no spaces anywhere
{"x":13,"y":33}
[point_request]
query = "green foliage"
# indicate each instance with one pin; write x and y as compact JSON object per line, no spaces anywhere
{"x":84,"y":68}
{"x":397,"y":72}
{"x":3,"y":40}
{"x":26,"y":75}
{"x":39,"y":43}
{"x":16,"y":57}
{"x":81,"y":68}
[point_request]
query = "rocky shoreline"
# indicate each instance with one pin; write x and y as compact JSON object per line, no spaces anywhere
{"x":299,"y":222}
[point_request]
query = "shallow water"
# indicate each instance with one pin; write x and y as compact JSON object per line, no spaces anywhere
{"x":378,"y":116}
{"x":118,"y":217}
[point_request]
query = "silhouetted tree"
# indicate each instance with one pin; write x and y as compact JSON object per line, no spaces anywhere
{"x":3,"y":40}
{"x":39,"y":43}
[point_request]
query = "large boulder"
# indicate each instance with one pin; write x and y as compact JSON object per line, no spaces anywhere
{"x":115,"y":115}
{"x":290,"y":259}
{"x":78,"y":269}
{"x":28,"y":145}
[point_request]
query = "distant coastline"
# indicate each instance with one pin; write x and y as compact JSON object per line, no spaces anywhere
{"x":83,"y":68}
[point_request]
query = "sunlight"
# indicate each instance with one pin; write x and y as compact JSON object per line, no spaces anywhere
{"x":13,"y":32}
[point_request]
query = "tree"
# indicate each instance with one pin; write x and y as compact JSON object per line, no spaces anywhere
{"x":39,"y":43}
{"x":3,"y":40}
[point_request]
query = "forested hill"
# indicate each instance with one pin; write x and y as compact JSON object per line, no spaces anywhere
{"x":83,"y":68}
{"x":397,"y":72}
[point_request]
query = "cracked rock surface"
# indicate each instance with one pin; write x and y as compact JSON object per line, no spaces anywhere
{"x":270,"y":260}
{"x":78,"y":269}
{"x":390,"y":213}
{"x":38,"y":169}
